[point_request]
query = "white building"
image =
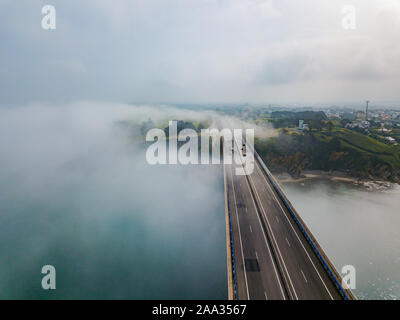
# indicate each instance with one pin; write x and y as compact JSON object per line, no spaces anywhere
{"x":390,"y":139}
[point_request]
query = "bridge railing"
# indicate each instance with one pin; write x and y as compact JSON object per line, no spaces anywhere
{"x":232,"y":282}
{"x":327,"y":264}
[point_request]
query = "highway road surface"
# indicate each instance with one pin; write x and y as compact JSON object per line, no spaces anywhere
{"x":273,"y":259}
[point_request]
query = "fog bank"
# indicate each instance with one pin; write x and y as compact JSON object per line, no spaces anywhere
{"x":77,"y":193}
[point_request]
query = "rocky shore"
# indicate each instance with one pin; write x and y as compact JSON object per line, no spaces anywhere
{"x":369,"y":185}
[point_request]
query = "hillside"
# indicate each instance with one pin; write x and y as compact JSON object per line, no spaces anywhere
{"x":337,"y":149}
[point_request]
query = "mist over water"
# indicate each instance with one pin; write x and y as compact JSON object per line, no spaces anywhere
{"x":355,"y":227}
{"x":76,"y":192}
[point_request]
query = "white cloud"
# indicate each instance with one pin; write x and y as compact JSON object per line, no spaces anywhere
{"x":200,"y":51}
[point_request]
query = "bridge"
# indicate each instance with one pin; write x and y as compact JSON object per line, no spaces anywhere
{"x":271,"y":254}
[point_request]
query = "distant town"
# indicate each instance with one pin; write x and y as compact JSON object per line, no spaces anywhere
{"x":381,"y":124}
{"x":360,"y":141}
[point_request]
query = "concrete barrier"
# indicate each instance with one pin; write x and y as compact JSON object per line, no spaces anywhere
{"x":230,"y":252}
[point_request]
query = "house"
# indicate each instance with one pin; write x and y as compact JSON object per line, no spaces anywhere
{"x":364,"y":124}
{"x":390,"y":139}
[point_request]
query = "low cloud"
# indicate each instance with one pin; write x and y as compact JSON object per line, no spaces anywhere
{"x":77,"y":192}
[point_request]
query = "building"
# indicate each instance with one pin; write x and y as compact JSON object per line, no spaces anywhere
{"x":364,"y":124}
{"x":390,"y":139}
{"x":384,"y":130}
{"x":360,"y":124}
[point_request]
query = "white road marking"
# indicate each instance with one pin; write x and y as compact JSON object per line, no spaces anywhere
{"x":305,"y":279}
{"x":277,"y":219}
{"x":251,"y":230}
{"x":265,"y":294}
{"x":266,"y":243}
{"x":272,"y":233}
{"x":273,"y":236}
{"x":256,"y":256}
{"x":287,"y":242}
{"x":290,"y":223}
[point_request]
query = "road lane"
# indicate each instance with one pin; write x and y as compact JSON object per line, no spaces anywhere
{"x":258,"y":277}
{"x":296,"y":252}
{"x":270,"y":239}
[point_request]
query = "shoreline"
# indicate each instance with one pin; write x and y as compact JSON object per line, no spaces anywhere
{"x":310,"y":175}
{"x":317,"y":174}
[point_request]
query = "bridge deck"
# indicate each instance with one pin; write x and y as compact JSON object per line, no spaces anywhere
{"x":273,"y":259}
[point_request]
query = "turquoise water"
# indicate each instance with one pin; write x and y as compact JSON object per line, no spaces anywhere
{"x":79,"y":195}
{"x":107,"y":245}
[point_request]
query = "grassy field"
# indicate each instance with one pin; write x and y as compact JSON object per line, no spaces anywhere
{"x":362,"y":141}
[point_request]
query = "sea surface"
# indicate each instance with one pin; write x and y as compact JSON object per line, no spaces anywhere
{"x":355,"y":227}
{"x":109,"y":241}
{"x":77,"y":193}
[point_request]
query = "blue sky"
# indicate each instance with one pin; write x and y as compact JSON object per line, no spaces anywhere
{"x":199,"y":51}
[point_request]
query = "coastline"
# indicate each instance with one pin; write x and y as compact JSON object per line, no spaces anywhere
{"x":310,"y":175}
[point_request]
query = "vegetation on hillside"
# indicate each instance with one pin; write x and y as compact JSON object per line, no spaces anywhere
{"x":331,"y":148}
